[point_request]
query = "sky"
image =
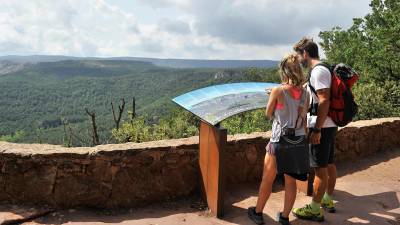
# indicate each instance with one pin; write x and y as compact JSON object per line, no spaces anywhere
{"x":197,"y":29}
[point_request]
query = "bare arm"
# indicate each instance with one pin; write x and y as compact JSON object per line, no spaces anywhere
{"x":269,"y":112}
{"x":305,"y":113}
{"x":323,"y":109}
{"x":323,"y":106}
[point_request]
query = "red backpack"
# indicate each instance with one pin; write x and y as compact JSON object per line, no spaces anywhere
{"x":342,"y":106}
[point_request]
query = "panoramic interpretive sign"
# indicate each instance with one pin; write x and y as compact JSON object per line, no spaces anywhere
{"x":216,"y":103}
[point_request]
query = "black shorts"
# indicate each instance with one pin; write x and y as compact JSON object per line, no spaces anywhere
{"x":324,"y":153}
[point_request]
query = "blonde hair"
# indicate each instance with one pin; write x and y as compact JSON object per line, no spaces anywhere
{"x":291,"y":71}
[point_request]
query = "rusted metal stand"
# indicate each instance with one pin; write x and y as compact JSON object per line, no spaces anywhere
{"x":212,"y":166}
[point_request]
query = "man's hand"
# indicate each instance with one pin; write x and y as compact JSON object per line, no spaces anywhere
{"x":315,"y":138}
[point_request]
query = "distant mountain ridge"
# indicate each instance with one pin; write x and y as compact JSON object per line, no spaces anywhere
{"x":14,"y":63}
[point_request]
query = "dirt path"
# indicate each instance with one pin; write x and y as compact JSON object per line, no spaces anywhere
{"x":368,"y":192}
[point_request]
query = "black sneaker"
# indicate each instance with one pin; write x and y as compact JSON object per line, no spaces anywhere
{"x":255,"y":217}
{"x":281,"y":219}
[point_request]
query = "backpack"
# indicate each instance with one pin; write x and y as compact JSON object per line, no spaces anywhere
{"x":342,"y":106}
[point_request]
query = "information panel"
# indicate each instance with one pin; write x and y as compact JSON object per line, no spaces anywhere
{"x":216,"y":103}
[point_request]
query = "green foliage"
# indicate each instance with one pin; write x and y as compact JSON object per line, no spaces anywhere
{"x":180,"y":124}
{"x":135,"y":131}
{"x":48,"y":100}
{"x":263,"y":75}
{"x":247,"y":122}
{"x":36,"y":98}
{"x":372,"y":46}
{"x":17,"y":136}
{"x":374,"y":102}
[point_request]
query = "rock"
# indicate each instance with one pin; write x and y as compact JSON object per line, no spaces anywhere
{"x":251,"y":154}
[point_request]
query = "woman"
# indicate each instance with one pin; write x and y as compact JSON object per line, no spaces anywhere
{"x":287,"y":106}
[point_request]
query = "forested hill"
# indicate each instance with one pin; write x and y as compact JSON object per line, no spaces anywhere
{"x":173,"y":63}
{"x":36,"y":99}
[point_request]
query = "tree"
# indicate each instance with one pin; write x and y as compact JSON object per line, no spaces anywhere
{"x":95,"y":136}
{"x":371,"y":44}
{"x":121,"y":107}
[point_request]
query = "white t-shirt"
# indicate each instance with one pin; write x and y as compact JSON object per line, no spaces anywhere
{"x":320,"y":79}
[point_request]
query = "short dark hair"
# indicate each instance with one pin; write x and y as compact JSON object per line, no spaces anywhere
{"x":308,"y":45}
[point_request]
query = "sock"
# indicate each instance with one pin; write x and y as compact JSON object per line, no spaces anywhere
{"x":327,"y":197}
{"x":315,"y":207}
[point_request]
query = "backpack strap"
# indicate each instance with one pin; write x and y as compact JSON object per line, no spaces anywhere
{"x":326,"y":65}
{"x":314,"y":108}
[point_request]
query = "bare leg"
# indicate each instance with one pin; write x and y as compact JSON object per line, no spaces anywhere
{"x":320,"y":184}
{"x":331,"y":178}
{"x":290,"y":195}
{"x":269,"y":174}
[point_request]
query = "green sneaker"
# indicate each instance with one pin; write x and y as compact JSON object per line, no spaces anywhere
{"x":328,"y":205}
{"x":306,"y":213}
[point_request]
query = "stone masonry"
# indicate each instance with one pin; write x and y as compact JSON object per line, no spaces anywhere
{"x":136,"y":174}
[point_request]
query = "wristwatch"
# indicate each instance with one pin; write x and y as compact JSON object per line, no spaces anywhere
{"x":316,"y":130}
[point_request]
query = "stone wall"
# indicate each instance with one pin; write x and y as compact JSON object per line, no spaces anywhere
{"x":135,"y":174}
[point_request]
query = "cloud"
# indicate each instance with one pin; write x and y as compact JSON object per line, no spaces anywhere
{"x":267,"y":22}
{"x":82,"y":28}
{"x":225,"y":29}
{"x":159,"y":4}
{"x":174,"y":26}
{"x":261,"y":27}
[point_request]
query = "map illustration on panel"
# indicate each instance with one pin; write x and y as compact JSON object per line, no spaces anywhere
{"x":216,"y":103}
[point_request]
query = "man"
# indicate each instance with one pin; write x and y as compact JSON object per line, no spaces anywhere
{"x":322,"y":133}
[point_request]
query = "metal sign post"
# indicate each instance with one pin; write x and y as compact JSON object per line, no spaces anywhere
{"x":212,"y":166}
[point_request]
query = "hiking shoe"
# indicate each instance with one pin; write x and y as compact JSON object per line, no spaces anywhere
{"x":328,"y":206}
{"x":255,"y":217}
{"x":282,"y":220}
{"x":306,"y":213}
